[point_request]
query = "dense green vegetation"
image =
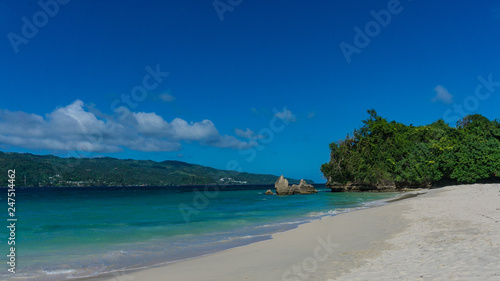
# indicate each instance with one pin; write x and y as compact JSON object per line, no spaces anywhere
{"x":383,"y":153}
{"x":50,"y":170}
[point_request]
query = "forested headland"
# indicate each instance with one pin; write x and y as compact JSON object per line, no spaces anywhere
{"x":387,"y":154}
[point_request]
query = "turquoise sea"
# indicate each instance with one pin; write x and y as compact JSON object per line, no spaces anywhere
{"x":67,"y":233}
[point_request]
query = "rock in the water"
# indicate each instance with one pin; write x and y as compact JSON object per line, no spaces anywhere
{"x":282,"y":187}
{"x":294,"y":189}
{"x":305,"y":188}
{"x":360,"y":187}
{"x":269,"y":192}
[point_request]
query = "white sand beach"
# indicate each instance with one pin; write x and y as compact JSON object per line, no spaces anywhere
{"x":451,"y":233}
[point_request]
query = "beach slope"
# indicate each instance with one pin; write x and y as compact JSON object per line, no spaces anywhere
{"x":452,"y":233}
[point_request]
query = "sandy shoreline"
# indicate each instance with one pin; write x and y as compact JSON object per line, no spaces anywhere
{"x":452,"y":233}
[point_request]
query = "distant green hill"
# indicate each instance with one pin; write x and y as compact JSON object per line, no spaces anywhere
{"x":49,"y":170}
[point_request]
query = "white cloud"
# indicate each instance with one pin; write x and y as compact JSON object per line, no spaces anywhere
{"x":166,"y":97}
{"x":442,"y":95}
{"x":72,"y":128}
{"x":285,"y":115}
{"x":196,"y":131}
{"x":229,"y":142}
{"x":247,"y":134}
{"x":311,"y":114}
{"x":150,"y":124}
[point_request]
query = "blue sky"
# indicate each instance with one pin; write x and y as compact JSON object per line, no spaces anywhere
{"x":259,"y":86}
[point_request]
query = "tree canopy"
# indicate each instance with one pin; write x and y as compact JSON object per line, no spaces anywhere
{"x":382,"y":152}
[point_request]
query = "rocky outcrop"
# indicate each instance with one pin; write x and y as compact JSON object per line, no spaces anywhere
{"x":269,"y":192}
{"x":305,"y":188}
{"x":360,"y":187}
{"x":294,"y":189}
{"x":282,"y":187}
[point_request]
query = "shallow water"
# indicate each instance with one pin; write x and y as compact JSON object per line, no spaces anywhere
{"x":75,"y":232}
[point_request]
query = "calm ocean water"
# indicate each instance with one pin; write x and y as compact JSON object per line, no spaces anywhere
{"x":65,"y":233}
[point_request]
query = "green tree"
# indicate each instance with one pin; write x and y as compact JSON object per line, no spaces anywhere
{"x":381,"y":152}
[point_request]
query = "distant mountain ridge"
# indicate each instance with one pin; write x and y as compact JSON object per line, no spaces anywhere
{"x":50,"y":170}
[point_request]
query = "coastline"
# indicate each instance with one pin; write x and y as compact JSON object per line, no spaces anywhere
{"x":300,"y":241}
{"x":442,"y":234}
{"x":95,"y":241}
